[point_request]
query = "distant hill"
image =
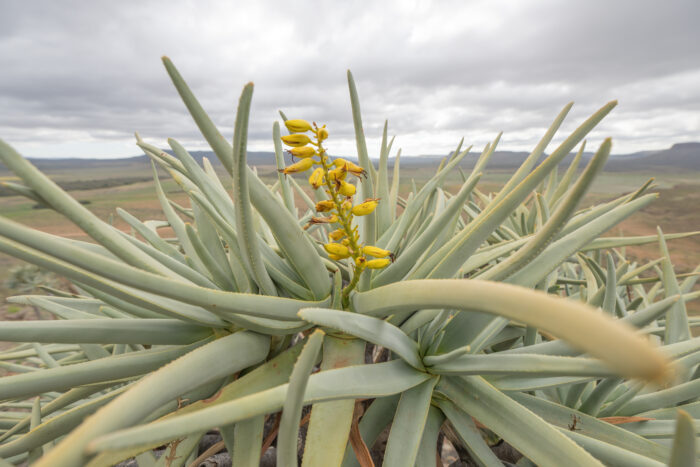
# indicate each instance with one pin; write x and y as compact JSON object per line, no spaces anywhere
{"x":678,"y":156}
{"x":681,"y":156}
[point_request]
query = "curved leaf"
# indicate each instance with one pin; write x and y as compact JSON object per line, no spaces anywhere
{"x":247,"y":238}
{"x":208,"y":363}
{"x":291,"y":411}
{"x":370,"y":329}
{"x":407,"y":427}
{"x":355,"y":382}
{"x":684,"y":453}
{"x":104,"y":331}
{"x":533,"y":437}
{"x":580,"y":325}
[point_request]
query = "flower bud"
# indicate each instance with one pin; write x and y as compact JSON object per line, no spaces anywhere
{"x":316,"y":178}
{"x":301,"y":166}
{"x":346,"y":189}
{"x":298,"y":125}
{"x":364,"y":208}
{"x":322,"y":133}
{"x":378,"y":263}
{"x":335,"y":257}
{"x":375,"y":251}
{"x":337,"y":174}
{"x":296,"y":140}
{"x":324,"y":220}
{"x":303,"y":152}
{"x":325,"y":206}
{"x":336,"y":234}
{"x":350,"y":167}
{"x":337,"y":249}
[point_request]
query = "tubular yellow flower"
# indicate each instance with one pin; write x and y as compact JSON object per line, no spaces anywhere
{"x":336,"y":234}
{"x":298,"y":125}
{"x":301,"y":166}
{"x":346,"y":189}
{"x":316,"y":178}
{"x":375,"y":251}
{"x":378,"y":263}
{"x":350,"y":167}
{"x":325,"y":206}
{"x":337,"y":249}
{"x":303,"y":152}
{"x":296,"y":140}
{"x":335,"y":257}
{"x":337,"y":174}
{"x":366,"y":207}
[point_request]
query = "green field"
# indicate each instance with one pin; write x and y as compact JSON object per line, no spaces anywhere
{"x":676,"y":210}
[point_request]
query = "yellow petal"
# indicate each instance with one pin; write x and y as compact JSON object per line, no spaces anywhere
{"x":336,"y":234}
{"x":346,"y":189}
{"x":324,"y":220}
{"x":375,"y":251}
{"x":296,"y":140}
{"x":301,"y":166}
{"x":298,"y":125}
{"x":325,"y":206}
{"x":316,"y":178}
{"x":378,"y":263}
{"x":303,"y":152}
{"x":364,"y":208}
{"x":337,"y":249}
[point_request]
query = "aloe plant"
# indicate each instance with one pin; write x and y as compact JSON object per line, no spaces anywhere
{"x":467,"y":317}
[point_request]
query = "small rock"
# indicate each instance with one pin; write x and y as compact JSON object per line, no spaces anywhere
{"x":208,"y":441}
{"x":128,"y":463}
{"x":269,"y":459}
{"x":223,"y":459}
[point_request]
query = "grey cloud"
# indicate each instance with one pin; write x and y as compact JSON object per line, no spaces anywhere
{"x":436,"y":70}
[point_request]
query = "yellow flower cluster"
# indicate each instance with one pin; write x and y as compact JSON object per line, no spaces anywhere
{"x":344,"y":241}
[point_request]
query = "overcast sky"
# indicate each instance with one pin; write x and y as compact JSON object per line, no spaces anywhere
{"x":79,"y":77}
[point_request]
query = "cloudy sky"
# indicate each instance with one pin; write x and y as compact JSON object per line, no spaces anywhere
{"x":79,"y":77}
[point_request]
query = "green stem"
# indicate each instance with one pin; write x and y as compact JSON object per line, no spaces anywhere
{"x":345,"y":220}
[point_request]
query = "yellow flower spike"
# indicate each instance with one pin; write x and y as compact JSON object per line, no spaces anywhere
{"x":325,"y":206}
{"x":350,"y":167}
{"x":378,"y":263}
{"x":337,"y":249}
{"x":322,"y":133}
{"x":366,"y":207}
{"x":298,"y":125}
{"x":301,"y":166}
{"x":296,"y":140}
{"x":316,"y":179}
{"x":375,"y":251}
{"x":303,"y":152}
{"x":336,"y":234}
{"x":346,"y":189}
{"x":324,"y":220}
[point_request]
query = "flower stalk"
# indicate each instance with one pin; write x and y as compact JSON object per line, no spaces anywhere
{"x":345,"y":241}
